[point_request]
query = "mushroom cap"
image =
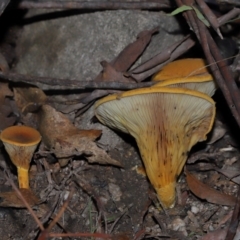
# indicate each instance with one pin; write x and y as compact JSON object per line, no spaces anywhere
{"x":201,"y":83}
{"x":166,"y":123}
{"x":20,"y":142}
{"x":21,"y":136}
{"x":181,"y":69}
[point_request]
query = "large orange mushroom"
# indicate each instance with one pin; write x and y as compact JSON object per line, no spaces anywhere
{"x":183,"y":68}
{"x":166,"y":123}
{"x":20,"y":143}
{"x":204,"y":85}
{"x":186,"y":73}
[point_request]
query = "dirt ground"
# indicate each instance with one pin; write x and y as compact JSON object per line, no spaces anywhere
{"x":120,"y":200}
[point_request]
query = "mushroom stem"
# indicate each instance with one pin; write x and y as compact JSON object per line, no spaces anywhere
{"x":23,"y":179}
{"x":171,"y":153}
{"x":166,"y":194}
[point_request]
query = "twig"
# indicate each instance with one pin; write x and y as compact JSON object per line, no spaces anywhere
{"x":97,"y":5}
{"x":172,"y":53}
{"x":25,"y":203}
{"x":117,"y":220}
{"x":231,"y":2}
{"x":235,"y":219}
{"x":230,"y":15}
{"x":225,"y":78}
{"x":216,"y":63}
{"x":45,"y":232}
{"x":161,"y":57}
{"x":210,"y":16}
{"x":67,"y":84}
{"x":3,"y":5}
{"x":96,"y":235}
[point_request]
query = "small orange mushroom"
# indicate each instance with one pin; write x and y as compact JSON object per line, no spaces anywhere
{"x":20,"y":143}
{"x":166,"y":123}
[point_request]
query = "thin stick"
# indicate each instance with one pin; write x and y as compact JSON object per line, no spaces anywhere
{"x":57,"y":84}
{"x":96,"y":235}
{"x":25,"y":203}
{"x":96,"y":5}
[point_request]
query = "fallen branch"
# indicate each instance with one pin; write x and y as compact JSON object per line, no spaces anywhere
{"x":67,"y":84}
{"x":97,"y":5}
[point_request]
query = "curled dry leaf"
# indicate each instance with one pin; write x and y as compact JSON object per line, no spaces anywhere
{"x":65,"y":140}
{"x":218,"y":132}
{"x":203,"y":191}
{"x":29,"y":99}
{"x":220,"y":234}
{"x":231,"y":172}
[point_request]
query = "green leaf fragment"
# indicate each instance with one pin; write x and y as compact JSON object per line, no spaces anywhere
{"x":183,"y":8}
{"x":201,"y":17}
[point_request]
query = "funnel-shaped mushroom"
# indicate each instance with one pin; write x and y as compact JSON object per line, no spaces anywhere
{"x":20,"y":143}
{"x":182,"y":68}
{"x":166,"y":123}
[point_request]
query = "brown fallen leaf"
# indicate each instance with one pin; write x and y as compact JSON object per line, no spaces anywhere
{"x":6,"y":111}
{"x":230,"y":171}
{"x":217,"y":133}
{"x":203,"y":191}
{"x":65,"y":140}
{"x":131,"y":52}
{"x":219,"y":234}
{"x":28,"y":98}
{"x":110,"y":73}
{"x":58,"y":133}
{"x":116,"y":68}
{"x":11,"y":199}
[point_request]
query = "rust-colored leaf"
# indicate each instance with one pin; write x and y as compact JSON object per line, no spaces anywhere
{"x":203,"y":191}
{"x":11,"y":199}
{"x":219,"y":234}
{"x":125,"y":59}
{"x":131,"y":52}
{"x":110,"y":73}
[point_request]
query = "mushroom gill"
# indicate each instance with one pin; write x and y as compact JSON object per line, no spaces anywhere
{"x":201,"y":84}
{"x":166,"y":123}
